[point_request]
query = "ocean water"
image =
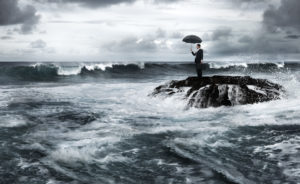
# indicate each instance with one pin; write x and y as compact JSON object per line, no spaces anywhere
{"x":95,"y":123}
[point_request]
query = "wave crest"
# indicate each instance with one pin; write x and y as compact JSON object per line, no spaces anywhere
{"x":51,"y":71}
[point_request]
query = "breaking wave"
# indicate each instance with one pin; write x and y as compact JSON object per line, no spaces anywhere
{"x":56,"y":71}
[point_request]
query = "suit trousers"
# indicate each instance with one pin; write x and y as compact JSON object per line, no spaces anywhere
{"x":199,"y":69}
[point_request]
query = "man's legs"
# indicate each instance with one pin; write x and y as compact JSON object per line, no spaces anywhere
{"x":199,"y":70}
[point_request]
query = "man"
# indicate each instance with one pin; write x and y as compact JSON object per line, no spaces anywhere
{"x":198,"y":59}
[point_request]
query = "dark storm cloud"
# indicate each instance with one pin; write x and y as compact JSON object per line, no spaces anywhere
{"x":12,"y":14}
{"x":164,"y":1}
{"x":285,"y":17}
{"x":261,"y":42}
{"x":245,"y":39}
{"x":271,"y":44}
{"x":246,"y":3}
{"x":279,"y":34}
{"x":292,"y":36}
{"x":103,"y":3}
{"x":221,"y":33}
{"x":90,"y":3}
{"x":221,"y":44}
{"x":281,"y":28}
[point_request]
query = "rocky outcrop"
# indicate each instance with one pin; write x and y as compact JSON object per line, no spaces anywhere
{"x":219,"y":91}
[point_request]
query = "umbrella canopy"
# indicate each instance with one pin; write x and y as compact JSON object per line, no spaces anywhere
{"x":192,"y":39}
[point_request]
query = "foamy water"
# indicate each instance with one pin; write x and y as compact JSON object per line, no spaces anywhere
{"x":108,"y":130}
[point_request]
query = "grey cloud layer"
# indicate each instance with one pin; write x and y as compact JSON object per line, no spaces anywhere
{"x":102,"y":3}
{"x":225,"y":41}
{"x":90,"y":3}
{"x":261,"y":42}
{"x":155,"y":41}
{"x":11,"y":14}
{"x":134,"y":44}
{"x":286,"y":17}
{"x":279,"y":34}
{"x":38,"y":44}
{"x":247,"y":3}
{"x":221,"y":33}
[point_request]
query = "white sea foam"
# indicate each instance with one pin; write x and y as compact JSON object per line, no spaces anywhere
{"x":280,"y":65}
{"x":76,"y":69}
{"x":226,"y":65}
{"x":218,"y":65}
{"x":125,"y":110}
{"x":83,"y":150}
{"x":287,"y":155}
{"x":69,"y":70}
{"x":10,"y":121}
{"x":101,"y":66}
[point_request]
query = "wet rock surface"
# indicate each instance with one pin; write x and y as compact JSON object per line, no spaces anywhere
{"x":219,"y":91}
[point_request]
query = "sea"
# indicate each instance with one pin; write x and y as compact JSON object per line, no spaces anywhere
{"x":95,"y":123}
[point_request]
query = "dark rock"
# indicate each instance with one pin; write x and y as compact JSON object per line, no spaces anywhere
{"x":219,"y":91}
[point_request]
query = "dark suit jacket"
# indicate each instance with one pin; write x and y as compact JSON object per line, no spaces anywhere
{"x":199,"y":56}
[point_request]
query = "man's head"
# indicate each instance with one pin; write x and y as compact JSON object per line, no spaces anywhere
{"x":198,"y":46}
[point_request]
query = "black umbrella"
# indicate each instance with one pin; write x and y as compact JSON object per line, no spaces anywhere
{"x":192,"y":39}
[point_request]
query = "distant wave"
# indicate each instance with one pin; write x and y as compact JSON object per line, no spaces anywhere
{"x":37,"y":72}
{"x":55,"y":71}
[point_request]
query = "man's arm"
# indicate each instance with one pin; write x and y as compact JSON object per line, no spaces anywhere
{"x":193,"y":52}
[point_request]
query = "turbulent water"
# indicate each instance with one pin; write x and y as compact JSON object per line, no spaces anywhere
{"x":95,"y":123}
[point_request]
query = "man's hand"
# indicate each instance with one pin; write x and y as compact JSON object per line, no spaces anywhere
{"x":191,"y":50}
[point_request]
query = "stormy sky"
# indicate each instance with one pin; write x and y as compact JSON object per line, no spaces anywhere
{"x":148,"y":30}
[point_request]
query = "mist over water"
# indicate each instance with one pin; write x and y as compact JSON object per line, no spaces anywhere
{"x":95,"y":123}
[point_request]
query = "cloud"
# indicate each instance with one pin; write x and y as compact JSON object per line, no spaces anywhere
{"x":221,"y":33}
{"x":248,"y":1}
{"x":247,"y":4}
{"x":132,"y":44}
{"x":245,"y":39}
{"x":38,"y":44}
{"x":177,"y":35}
{"x":164,"y":1}
{"x":91,"y":3}
{"x":12,"y":14}
{"x":156,"y":41}
{"x":159,"y":41}
{"x":6,"y":37}
{"x":160,"y":33}
{"x":259,"y":42}
{"x":102,"y":3}
{"x":279,"y":33}
{"x":292,"y":36}
{"x":283,"y":18}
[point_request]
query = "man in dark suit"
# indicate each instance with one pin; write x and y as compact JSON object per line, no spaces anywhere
{"x":198,"y":59}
